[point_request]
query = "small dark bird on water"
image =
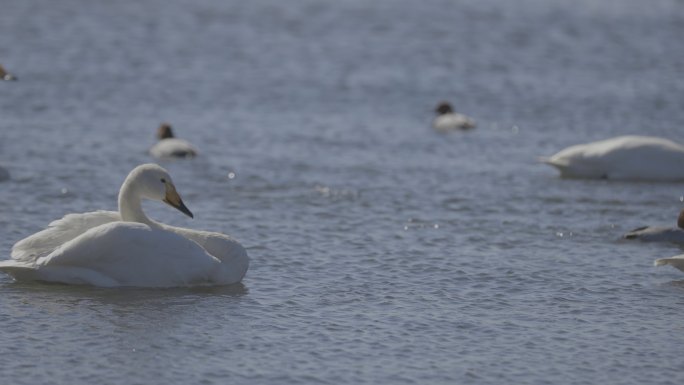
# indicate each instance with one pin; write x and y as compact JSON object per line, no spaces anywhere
{"x":171,"y":147}
{"x":4,"y":75}
{"x":448,"y":120}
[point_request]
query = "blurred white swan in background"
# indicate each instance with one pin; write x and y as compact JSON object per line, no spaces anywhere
{"x":622,"y":158}
{"x":126,"y":248}
{"x":660,"y":233}
{"x":169,"y":146}
{"x":448,"y":120}
{"x":677,"y":262}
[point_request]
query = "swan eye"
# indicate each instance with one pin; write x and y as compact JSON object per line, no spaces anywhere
{"x":163,"y":180}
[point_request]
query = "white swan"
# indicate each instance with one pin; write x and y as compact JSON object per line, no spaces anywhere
{"x":660,"y":233}
{"x":677,"y":262}
{"x":622,"y":158}
{"x":448,"y":120}
{"x":126,"y":248}
{"x":170,"y":147}
{"x":4,"y":75}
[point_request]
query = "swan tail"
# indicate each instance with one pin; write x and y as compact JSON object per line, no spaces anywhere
{"x":676,"y":262}
{"x":18,"y":270}
{"x":660,"y":262}
{"x":559,"y":164}
{"x":22,"y":271}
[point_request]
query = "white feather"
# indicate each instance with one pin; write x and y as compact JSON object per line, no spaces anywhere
{"x":622,"y":158}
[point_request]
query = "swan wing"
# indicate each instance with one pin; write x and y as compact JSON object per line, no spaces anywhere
{"x":232,"y":255}
{"x":58,"y":232}
{"x":128,"y":254}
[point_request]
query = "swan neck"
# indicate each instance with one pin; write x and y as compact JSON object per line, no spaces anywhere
{"x":680,"y":220}
{"x":130,"y":204}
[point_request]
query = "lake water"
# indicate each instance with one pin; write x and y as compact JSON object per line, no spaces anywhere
{"x":381,"y":252}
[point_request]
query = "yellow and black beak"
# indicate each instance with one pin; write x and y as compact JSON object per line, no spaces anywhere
{"x":173,"y":199}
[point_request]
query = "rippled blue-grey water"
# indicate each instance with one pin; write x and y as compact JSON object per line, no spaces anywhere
{"x":382,"y":252}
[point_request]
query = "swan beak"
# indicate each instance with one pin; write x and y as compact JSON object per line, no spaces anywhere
{"x":173,"y":199}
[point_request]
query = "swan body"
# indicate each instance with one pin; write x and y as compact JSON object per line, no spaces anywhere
{"x":125,"y":248}
{"x":622,"y":158}
{"x":448,"y":120}
{"x":169,"y":146}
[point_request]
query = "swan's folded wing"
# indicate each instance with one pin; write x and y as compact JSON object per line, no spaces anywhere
{"x":233,"y":256}
{"x":59,"y":232}
{"x":129,"y":254}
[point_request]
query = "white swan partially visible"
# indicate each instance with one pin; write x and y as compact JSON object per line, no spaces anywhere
{"x":169,"y":146}
{"x":677,"y":262}
{"x":660,"y":233}
{"x":126,"y":248}
{"x":622,"y":158}
{"x":448,"y":120}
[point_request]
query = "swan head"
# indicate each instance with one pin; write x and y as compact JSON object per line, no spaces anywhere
{"x":154,"y":182}
{"x":164,"y":131}
{"x":444,"y":108}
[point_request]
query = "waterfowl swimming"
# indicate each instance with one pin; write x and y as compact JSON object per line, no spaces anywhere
{"x":677,"y":262}
{"x":4,"y":75}
{"x":660,"y":233}
{"x":169,"y":146}
{"x":622,"y":158}
{"x":126,"y":248}
{"x":448,"y":120}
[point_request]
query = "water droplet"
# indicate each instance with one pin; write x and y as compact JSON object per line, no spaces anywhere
{"x":515,"y":129}
{"x":231,"y":175}
{"x":405,"y":228}
{"x":64,"y":190}
{"x":436,"y":226}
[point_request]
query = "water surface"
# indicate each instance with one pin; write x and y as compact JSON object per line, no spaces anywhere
{"x":381,"y":251}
